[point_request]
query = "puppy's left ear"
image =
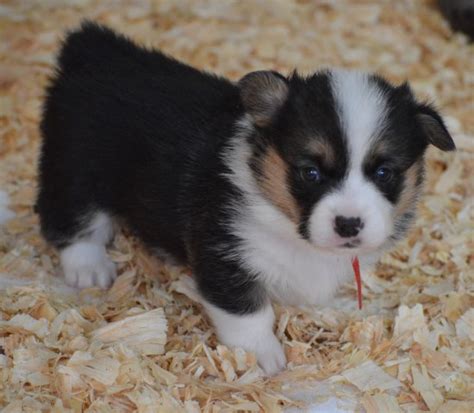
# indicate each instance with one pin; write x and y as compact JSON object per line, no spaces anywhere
{"x":263,"y":93}
{"x":434,"y":128}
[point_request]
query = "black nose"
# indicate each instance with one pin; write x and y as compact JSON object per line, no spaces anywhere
{"x":347,"y":227}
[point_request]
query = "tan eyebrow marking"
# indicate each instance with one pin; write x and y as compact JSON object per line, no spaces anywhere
{"x":380,"y":147}
{"x":273,"y":184}
{"x":378,"y":150}
{"x":322,"y":148}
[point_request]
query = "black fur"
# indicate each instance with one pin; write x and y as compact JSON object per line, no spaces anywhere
{"x":114,"y":112}
{"x":137,"y":134}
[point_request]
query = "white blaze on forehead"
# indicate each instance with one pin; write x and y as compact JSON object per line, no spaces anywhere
{"x":362,"y":107}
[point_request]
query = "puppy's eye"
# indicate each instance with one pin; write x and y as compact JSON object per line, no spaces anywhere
{"x":383,"y":174}
{"x":311,"y":174}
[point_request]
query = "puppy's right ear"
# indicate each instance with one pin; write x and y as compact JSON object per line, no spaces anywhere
{"x":263,"y":94}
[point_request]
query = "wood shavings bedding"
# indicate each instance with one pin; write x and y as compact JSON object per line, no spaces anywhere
{"x":145,"y":345}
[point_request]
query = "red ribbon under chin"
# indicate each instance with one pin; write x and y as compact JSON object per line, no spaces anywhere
{"x":356,"y":267}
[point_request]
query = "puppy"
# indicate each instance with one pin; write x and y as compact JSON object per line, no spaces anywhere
{"x":266,"y":187}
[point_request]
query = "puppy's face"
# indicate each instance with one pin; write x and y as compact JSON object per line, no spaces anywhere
{"x":340,"y":154}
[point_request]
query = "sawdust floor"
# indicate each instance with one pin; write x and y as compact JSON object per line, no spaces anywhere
{"x":410,"y":349}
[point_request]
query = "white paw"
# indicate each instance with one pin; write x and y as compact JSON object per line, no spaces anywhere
{"x":271,"y":356}
{"x":253,"y":332}
{"x":86,"y":264}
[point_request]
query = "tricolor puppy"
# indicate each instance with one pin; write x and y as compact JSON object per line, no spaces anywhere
{"x":265,"y":187}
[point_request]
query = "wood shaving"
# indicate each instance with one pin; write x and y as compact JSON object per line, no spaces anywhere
{"x":368,"y":376}
{"x":146,"y":345}
{"x":146,"y":333}
{"x":381,"y":403}
{"x":423,"y":385}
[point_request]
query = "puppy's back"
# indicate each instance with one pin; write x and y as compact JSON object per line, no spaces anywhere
{"x":121,"y":126}
{"x":98,"y":49}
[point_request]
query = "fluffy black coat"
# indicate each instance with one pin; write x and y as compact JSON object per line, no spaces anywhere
{"x":137,"y":134}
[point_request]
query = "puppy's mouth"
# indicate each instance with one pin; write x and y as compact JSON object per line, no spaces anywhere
{"x":351,"y":244}
{"x":348,"y":246}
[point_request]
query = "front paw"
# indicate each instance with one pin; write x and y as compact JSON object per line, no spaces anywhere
{"x":252,"y":332}
{"x":271,"y":356}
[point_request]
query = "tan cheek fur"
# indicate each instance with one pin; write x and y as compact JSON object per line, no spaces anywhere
{"x":273,"y":183}
{"x":410,"y":192}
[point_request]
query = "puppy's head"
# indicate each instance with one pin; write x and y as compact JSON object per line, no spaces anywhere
{"x":340,"y":153}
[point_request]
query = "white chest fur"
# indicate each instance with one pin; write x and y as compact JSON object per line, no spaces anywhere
{"x":293,"y":271}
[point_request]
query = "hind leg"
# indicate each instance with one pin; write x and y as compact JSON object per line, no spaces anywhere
{"x":85,"y":264}
{"x":84,"y":261}
{"x":80,"y":231}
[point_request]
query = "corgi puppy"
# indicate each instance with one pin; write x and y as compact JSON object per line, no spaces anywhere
{"x":267,"y":187}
